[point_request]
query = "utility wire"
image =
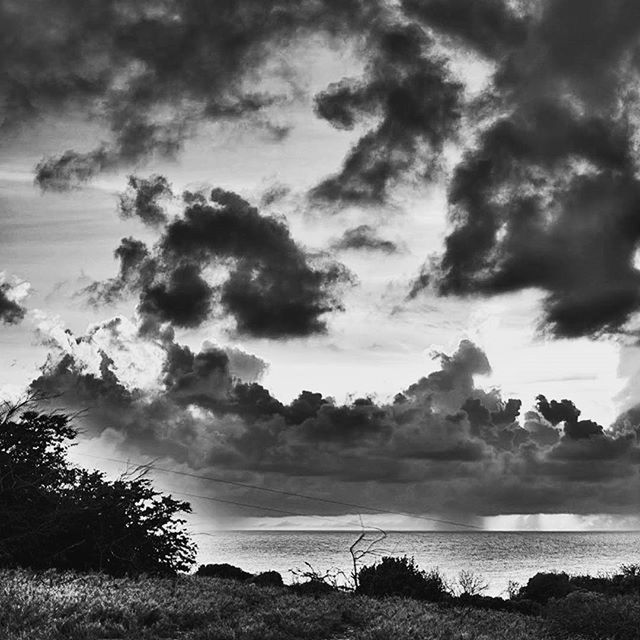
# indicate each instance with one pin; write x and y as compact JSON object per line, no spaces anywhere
{"x":249,"y":506}
{"x":303,"y":496}
{"x":241,"y":504}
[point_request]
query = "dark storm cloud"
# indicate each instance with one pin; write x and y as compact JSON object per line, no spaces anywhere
{"x":59,"y":173}
{"x":136,"y":269}
{"x":548,"y":196}
{"x":11,"y":312}
{"x":454,"y":379}
{"x":565,"y":411}
{"x":556,"y":412}
{"x":143,"y":199}
{"x":408,"y":88}
{"x":182,"y":297}
{"x":443,"y":437}
{"x":272,"y":287}
{"x":364,"y":238}
{"x":487,"y":26}
{"x":151,"y":71}
{"x":545,"y":196}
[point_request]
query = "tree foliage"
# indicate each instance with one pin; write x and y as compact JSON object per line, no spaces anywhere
{"x":56,"y":515}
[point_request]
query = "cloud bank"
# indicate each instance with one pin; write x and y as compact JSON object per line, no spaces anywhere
{"x":442,"y":446}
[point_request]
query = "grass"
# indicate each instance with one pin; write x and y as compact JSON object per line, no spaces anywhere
{"x":56,"y":606}
{"x":596,"y":616}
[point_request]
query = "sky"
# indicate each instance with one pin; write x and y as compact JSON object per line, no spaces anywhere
{"x":384,"y":254}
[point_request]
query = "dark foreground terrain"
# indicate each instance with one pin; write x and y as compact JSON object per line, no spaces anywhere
{"x":54,"y":606}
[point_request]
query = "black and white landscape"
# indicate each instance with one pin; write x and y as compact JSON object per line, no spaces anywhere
{"x":356,"y":267}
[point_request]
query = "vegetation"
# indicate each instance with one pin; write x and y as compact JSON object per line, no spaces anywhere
{"x":596,"y":616}
{"x":53,"y":514}
{"x":70,"y":606}
{"x":57,"y":516}
{"x":546,"y":586}
{"x":402,"y":577}
{"x":229,"y":572}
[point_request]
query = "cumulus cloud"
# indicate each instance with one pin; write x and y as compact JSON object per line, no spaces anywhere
{"x":489,"y":27}
{"x":271,"y":286}
{"x":12,"y":293}
{"x":546,"y":195}
{"x":409,"y":89}
{"x":144,"y":198}
{"x":546,"y":191}
{"x":364,"y":238}
{"x":10,"y":311}
{"x":442,"y":446}
{"x":151,"y":72}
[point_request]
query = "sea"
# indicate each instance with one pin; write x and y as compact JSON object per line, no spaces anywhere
{"x":499,"y":557}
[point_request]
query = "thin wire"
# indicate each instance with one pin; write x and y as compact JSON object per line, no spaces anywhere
{"x":241,"y":504}
{"x":249,"y":506}
{"x":286,"y":493}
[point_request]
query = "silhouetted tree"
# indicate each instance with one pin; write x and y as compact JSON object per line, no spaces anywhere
{"x":53,"y":514}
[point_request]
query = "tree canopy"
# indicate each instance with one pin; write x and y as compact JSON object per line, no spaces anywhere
{"x":56,"y":515}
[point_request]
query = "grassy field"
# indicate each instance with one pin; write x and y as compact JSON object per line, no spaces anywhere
{"x":54,"y":606}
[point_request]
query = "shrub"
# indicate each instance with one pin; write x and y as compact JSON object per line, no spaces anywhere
{"x":225,"y":571}
{"x":401,"y":577}
{"x":623,"y":583}
{"x":629,"y":580}
{"x":630,"y":570}
{"x":596,"y":616}
{"x":544,"y":586}
{"x":313,"y":588}
{"x":268,"y":579}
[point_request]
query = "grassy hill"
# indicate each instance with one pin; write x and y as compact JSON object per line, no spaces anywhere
{"x":54,"y":606}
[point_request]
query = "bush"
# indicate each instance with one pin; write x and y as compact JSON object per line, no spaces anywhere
{"x":627,"y":582}
{"x":313,"y":588}
{"x":225,"y":571}
{"x":544,"y":586}
{"x":596,"y":616}
{"x":623,"y":583}
{"x":401,"y":577}
{"x":268,"y":579}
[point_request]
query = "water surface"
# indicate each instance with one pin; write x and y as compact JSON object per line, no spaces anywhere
{"x":498,"y":556}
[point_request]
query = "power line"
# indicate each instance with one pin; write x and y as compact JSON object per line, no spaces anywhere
{"x":241,"y":504}
{"x":303,"y":496}
{"x":249,"y":506}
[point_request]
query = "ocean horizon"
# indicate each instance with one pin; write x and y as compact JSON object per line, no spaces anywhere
{"x":500,"y":557}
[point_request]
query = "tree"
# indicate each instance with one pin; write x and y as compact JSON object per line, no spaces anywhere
{"x":55,"y":515}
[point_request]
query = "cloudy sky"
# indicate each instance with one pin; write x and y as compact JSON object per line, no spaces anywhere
{"x":380,"y":253}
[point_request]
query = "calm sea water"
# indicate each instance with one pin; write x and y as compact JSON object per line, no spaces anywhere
{"x":498,"y":557}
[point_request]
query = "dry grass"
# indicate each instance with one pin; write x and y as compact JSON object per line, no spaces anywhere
{"x":596,"y":616}
{"x":56,"y":606}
